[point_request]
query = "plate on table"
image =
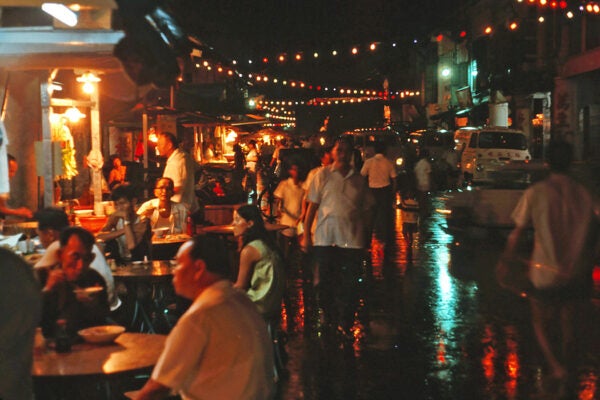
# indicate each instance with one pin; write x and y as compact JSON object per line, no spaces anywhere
{"x":101,"y":334}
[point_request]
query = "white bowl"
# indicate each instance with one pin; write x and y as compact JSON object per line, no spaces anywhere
{"x":101,"y":334}
{"x":161,"y":232}
{"x":83,"y":213}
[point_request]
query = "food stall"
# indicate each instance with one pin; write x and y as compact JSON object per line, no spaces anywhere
{"x":30,"y":62}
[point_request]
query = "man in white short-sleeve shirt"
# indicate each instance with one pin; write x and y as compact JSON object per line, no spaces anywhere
{"x":339,"y":198}
{"x":181,"y":168}
{"x":565,"y":221}
{"x":220,"y":348}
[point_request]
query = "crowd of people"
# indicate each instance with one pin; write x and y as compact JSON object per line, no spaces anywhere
{"x":329,"y":213}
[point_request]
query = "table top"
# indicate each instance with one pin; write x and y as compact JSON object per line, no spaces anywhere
{"x":130,"y":352}
{"x":138,"y":269}
{"x":228,"y":229}
{"x":13,"y":227}
{"x":171,"y":239}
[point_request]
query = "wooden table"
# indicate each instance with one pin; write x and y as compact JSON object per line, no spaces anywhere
{"x":12,"y":227}
{"x":138,"y":270}
{"x":166,"y":248}
{"x":93,"y":370}
{"x":131,"y":352}
{"x":148,"y":288}
{"x":228,"y":229}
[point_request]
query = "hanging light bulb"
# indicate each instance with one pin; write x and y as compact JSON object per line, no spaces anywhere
{"x":73,"y":114}
{"x":88,"y":88}
{"x":89,"y":80}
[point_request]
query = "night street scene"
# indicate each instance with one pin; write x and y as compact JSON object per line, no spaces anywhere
{"x":319,"y":200}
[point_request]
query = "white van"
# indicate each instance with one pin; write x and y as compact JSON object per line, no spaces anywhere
{"x":487,"y":149}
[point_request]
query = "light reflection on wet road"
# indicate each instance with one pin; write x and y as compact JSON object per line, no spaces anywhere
{"x":434,"y":327}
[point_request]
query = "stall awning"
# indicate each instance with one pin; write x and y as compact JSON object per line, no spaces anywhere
{"x":31,"y":48}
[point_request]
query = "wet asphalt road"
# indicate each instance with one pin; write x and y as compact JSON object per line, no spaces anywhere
{"x":436,"y":326}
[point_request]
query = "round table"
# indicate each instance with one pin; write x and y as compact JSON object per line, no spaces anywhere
{"x":166,"y":248}
{"x":228,"y":229}
{"x":13,"y":227}
{"x":130,"y":352}
{"x":149,"y":290}
{"x":138,"y":270}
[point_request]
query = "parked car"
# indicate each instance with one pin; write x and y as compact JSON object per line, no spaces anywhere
{"x":485,"y":150}
{"x":491,"y":205}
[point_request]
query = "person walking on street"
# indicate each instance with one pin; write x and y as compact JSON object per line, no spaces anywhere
{"x":251,"y":164}
{"x":381,"y":174}
{"x":291,"y":194}
{"x":452,"y":161}
{"x":423,"y":178}
{"x":181,"y":168}
{"x":340,"y":199}
{"x":565,"y":220}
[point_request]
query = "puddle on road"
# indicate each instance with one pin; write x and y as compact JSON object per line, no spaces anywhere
{"x":432,"y":324}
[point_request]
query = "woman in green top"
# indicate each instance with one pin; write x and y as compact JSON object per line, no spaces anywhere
{"x":261,"y":270}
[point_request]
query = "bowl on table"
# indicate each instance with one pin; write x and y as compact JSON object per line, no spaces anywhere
{"x":160,"y":233}
{"x":84,"y":212}
{"x":101,"y":334}
{"x":92,"y":223}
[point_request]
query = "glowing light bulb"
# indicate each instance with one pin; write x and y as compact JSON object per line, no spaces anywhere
{"x":88,"y":88}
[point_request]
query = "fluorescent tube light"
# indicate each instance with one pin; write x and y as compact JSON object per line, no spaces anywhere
{"x":61,"y":13}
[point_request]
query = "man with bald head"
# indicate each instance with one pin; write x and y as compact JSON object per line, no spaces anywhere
{"x":220,"y":347}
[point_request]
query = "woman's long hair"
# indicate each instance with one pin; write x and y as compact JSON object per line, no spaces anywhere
{"x":257,"y":231}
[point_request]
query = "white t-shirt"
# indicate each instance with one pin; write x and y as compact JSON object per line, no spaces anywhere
{"x":423,"y":175}
{"x":292,"y":196}
{"x":181,"y":169}
{"x":219,"y":349}
{"x":177,"y":220}
{"x":562,"y":213}
{"x":380,"y":171}
{"x":342,"y":202}
{"x":4,"y":184}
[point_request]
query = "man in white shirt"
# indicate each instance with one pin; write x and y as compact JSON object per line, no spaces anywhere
{"x":181,"y":168}
{"x":423,"y":178}
{"x":338,"y":196}
{"x":51,"y":221}
{"x":11,"y":166}
{"x":566,"y":224}
{"x":382,"y":183}
{"x":220,"y":347}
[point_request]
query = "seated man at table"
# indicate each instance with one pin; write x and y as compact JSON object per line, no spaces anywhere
{"x":51,"y":221}
{"x":62,"y":296}
{"x":127,"y":235}
{"x":220,"y":348}
{"x":161,"y":211}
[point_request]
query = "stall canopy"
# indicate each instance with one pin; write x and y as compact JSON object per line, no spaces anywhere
{"x":47,"y":49}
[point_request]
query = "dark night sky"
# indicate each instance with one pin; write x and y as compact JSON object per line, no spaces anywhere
{"x":245,"y":30}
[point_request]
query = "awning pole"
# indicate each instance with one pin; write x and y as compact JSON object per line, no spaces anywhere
{"x":47,"y":161}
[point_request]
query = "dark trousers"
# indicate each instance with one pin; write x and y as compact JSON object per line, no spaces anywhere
{"x":383,"y":213}
{"x":339,"y":272}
